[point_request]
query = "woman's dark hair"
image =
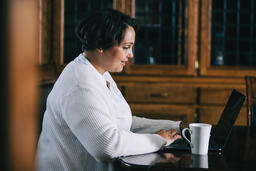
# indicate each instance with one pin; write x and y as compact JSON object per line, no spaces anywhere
{"x":103,"y":29}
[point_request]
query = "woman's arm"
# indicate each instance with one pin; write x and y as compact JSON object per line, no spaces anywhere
{"x":89,"y":117}
{"x":144,"y":125}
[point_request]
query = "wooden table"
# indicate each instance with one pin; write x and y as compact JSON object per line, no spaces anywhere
{"x":239,"y":154}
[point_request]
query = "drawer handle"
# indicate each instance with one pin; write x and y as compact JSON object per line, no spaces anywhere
{"x":159,"y":94}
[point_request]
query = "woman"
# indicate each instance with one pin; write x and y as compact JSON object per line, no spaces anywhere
{"x":87,"y":122}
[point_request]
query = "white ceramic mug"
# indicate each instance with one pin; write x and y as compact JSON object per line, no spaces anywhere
{"x":200,"y":134}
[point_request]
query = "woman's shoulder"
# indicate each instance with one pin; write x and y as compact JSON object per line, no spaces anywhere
{"x":74,"y":73}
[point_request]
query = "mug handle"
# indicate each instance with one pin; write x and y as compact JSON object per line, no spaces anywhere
{"x":183,"y":134}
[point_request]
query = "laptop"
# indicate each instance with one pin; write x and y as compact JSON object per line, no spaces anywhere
{"x":219,"y":133}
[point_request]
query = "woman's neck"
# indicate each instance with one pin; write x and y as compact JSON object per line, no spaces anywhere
{"x":93,"y":57}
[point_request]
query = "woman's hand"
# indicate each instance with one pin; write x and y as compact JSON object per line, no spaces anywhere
{"x":169,"y":135}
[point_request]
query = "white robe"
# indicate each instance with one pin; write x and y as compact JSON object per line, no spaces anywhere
{"x":86,"y":124}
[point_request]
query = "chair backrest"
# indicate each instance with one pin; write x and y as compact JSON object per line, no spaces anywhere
{"x":45,"y":89}
{"x":251,"y":100}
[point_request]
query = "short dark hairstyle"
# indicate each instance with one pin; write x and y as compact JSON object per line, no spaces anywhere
{"x":103,"y":29}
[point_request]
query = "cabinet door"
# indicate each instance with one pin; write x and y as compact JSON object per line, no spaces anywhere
{"x":228,"y":38}
{"x":166,"y":42}
{"x":165,"y":111}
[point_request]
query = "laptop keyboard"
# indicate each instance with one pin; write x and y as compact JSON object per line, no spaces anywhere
{"x":180,"y":144}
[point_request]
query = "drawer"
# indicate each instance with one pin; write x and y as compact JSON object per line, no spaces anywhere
{"x":164,"y":111}
{"x":212,"y":115}
{"x":216,"y":95}
{"x":159,"y":93}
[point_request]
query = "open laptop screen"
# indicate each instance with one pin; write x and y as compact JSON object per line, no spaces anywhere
{"x":228,"y":117}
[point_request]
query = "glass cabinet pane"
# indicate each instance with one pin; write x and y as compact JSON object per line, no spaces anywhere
{"x":74,"y":11}
{"x":233,"y":33}
{"x":161,"y":35}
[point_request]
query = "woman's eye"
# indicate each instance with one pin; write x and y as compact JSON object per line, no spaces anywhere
{"x":126,"y":47}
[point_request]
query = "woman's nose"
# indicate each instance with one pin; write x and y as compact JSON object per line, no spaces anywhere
{"x":130,"y":54}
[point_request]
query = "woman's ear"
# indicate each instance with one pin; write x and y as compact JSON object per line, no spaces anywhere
{"x":100,"y":50}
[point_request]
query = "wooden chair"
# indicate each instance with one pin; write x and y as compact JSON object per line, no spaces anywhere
{"x":45,"y":89}
{"x":251,"y":100}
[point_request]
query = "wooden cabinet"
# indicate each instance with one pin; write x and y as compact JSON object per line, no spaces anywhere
{"x":177,"y":98}
{"x":186,"y":61}
{"x":210,"y":58}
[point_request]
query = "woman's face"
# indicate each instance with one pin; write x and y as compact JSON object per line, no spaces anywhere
{"x":116,"y":57}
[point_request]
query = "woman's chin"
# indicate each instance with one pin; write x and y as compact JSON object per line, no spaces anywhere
{"x":117,"y":70}
{"x":120,"y":69}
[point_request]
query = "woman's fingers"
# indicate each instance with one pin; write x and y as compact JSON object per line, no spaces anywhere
{"x":170,"y":135}
{"x":173,"y":132}
{"x":177,"y":136}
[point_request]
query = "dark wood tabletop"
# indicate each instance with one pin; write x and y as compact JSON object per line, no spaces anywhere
{"x":239,"y":154}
